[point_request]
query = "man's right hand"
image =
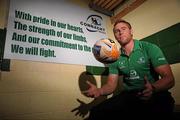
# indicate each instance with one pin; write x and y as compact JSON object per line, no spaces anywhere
{"x":93,"y":91}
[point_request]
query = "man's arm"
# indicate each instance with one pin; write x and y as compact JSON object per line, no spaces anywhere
{"x":167,"y":79}
{"x":111,"y":85}
{"x":164,"y":83}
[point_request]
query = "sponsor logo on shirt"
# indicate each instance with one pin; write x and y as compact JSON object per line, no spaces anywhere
{"x":133,"y":75}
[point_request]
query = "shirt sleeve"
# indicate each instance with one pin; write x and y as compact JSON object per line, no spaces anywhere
{"x":156,"y":55}
{"x":113,"y":68}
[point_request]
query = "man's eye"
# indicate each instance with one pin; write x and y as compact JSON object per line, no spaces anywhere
{"x":116,"y":31}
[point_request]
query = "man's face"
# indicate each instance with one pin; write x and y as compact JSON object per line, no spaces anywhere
{"x":122,"y":33}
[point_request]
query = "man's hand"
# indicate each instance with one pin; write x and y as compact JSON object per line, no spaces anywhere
{"x":93,"y":91}
{"x":148,"y":90}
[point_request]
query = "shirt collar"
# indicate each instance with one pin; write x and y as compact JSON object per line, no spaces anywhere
{"x":136,"y":46}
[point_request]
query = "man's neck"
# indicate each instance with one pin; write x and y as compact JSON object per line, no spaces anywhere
{"x":128,"y":47}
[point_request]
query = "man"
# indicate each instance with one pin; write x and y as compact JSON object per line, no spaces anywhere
{"x":147,"y":77}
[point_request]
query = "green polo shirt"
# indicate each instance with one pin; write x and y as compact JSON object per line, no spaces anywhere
{"x":138,"y":64}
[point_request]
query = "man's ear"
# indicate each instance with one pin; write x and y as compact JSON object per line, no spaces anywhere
{"x":131,"y":31}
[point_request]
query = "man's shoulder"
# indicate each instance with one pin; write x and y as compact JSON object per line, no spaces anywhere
{"x":144,"y":42}
{"x":147,"y":44}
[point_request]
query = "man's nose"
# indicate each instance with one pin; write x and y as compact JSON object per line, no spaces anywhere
{"x":119,"y":32}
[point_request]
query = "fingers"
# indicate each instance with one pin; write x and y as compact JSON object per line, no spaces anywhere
{"x":147,"y":84}
{"x":90,"y":84}
{"x":84,"y":92}
{"x":146,"y":80}
{"x":92,"y":91}
{"x":90,"y":87}
{"x":88,"y":93}
{"x":147,"y":92}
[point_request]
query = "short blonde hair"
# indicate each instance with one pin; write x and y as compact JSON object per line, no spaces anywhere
{"x":122,"y":21}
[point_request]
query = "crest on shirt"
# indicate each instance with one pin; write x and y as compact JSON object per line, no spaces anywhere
{"x":141,"y":60}
{"x":121,"y":64}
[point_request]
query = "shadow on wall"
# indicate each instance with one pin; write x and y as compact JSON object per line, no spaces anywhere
{"x":83,"y":109}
